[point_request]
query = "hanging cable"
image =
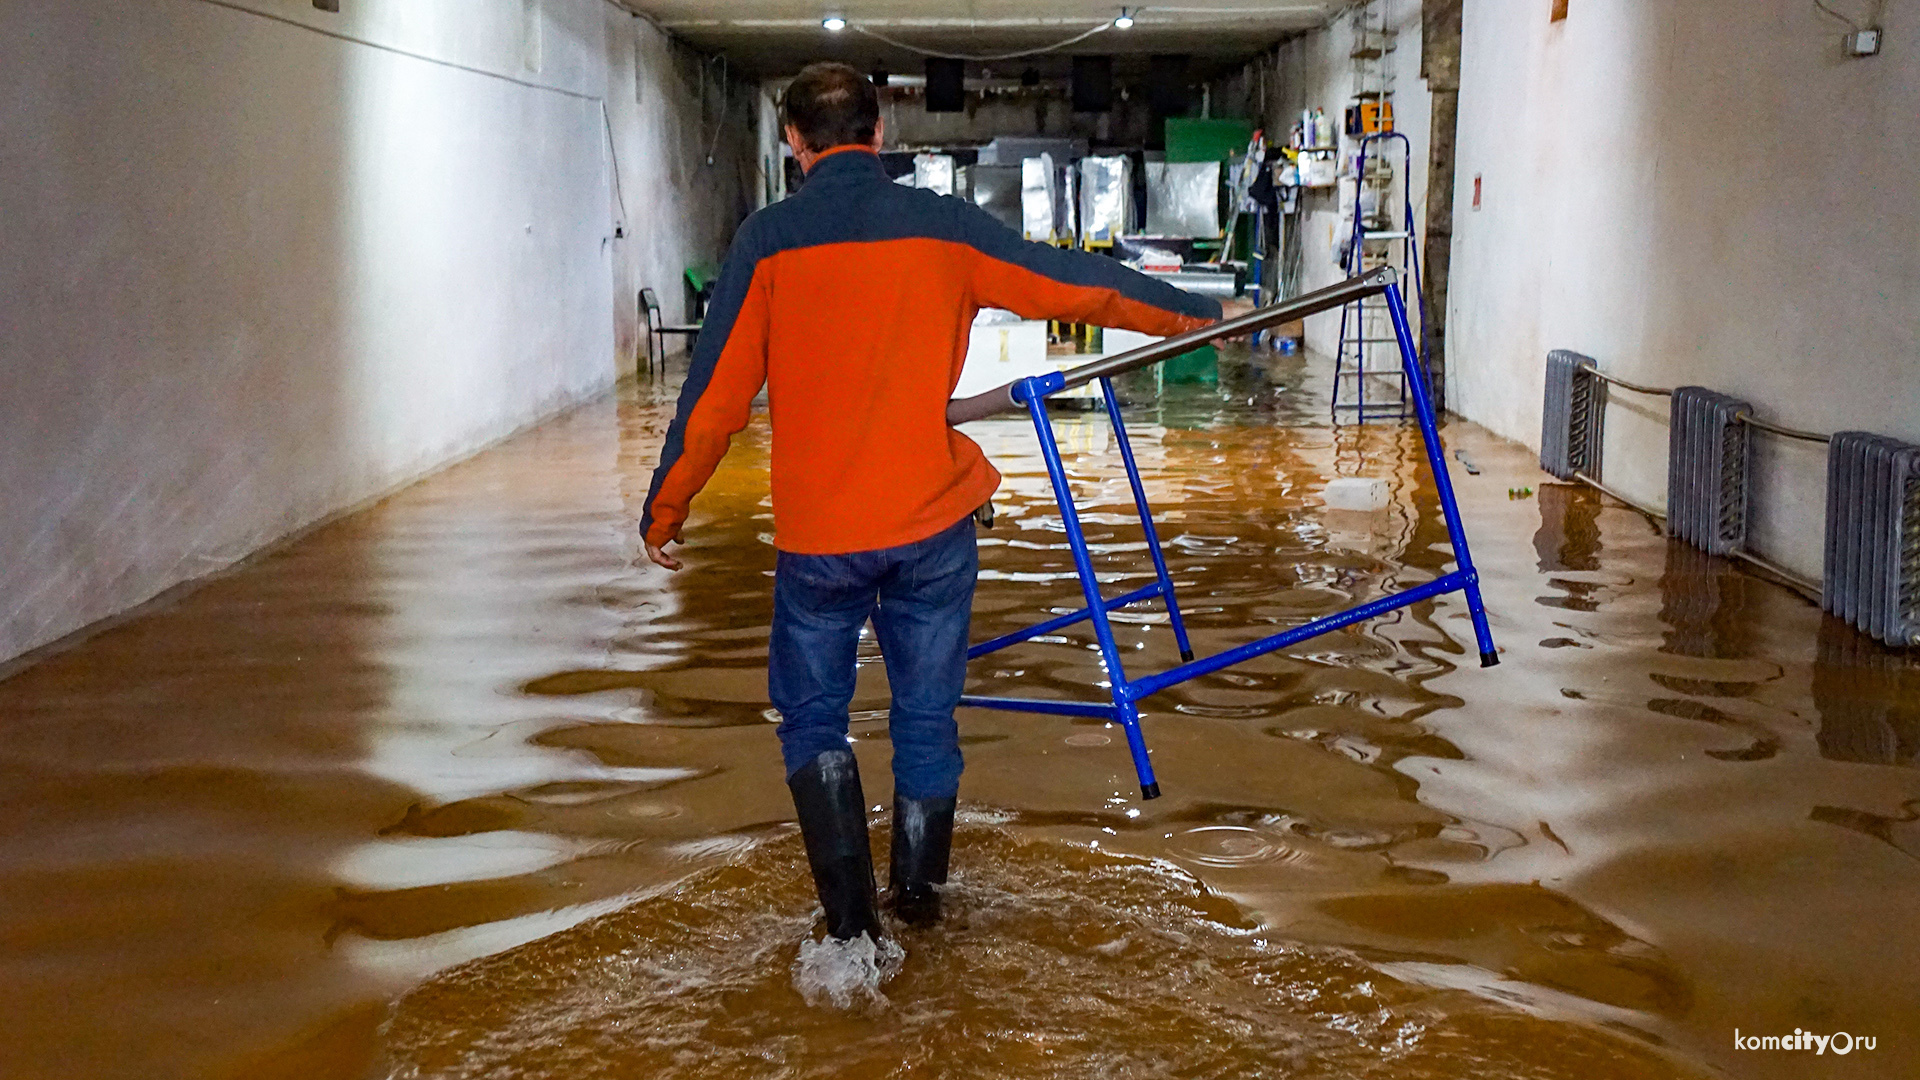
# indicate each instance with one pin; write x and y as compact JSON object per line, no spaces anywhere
{"x":1077,"y":38}
{"x":714,"y":143}
{"x":1851,"y":25}
{"x":613,"y":153}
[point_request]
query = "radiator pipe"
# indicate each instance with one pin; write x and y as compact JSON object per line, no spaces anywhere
{"x":1624,"y":384}
{"x":1000,"y":399}
{"x":1745,"y":418}
{"x":1657,"y":515}
{"x":1806,"y":587}
{"x":1791,"y":433}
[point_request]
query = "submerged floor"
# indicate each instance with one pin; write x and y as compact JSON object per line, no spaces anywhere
{"x":459,"y":786}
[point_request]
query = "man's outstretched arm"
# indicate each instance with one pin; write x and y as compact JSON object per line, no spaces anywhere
{"x":729,"y":367}
{"x":1040,"y":281}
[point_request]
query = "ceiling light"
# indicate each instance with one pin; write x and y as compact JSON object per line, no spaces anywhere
{"x":834,"y":23}
{"x":1124,"y":22}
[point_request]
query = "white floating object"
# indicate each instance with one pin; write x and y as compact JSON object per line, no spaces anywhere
{"x":1362,"y":493}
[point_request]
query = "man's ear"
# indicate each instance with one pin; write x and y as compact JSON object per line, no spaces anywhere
{"x":879,"y":132}
{"x":795,"y":140}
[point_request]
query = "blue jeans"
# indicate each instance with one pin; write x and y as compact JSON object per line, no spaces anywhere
{"x":920,"y":597}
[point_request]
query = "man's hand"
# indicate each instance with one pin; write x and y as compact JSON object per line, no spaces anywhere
{"x":1232,"y":308}
{"x":1235,"y":306}
{"x":661,"y":558}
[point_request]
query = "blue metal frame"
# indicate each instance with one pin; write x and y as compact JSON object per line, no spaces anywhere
{"x":1125,"y":693}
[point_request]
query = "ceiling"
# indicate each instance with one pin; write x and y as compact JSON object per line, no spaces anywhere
{"x":778,"y":37}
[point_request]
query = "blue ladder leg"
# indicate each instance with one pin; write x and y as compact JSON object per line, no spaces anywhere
{"x":1129,"y":715}
{"x":1146,"y":522}
{"x":1437,"y":460}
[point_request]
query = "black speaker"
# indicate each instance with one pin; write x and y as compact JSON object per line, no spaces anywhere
{"x":1167,"y":85}
{"x":946,"y":85}
{"x":1092,"y":83}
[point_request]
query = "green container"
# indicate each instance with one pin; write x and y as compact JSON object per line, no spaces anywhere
{"x":1206,"y":140}
{"x":1202,"y":365}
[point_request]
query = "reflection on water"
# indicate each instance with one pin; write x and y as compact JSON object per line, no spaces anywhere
{"x":1708,"y":605}
{"x":1868,"y":697}
{"x":1569,"y":534}
{"x":466,"y":752}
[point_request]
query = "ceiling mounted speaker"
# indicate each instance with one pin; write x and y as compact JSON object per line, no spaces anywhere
{"x":1092,"y":83}
{"x":946,"y":85}
{"x":1167,"y":85}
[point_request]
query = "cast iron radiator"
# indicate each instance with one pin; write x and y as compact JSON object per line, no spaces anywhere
{"x":1873,"y":535}
{"x":1707,"y":452}
{"x":1570,"y":422}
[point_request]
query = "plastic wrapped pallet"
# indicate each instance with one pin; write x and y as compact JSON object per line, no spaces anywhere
{"x":997,"y":190}
{"x":933,"y":172}
{"x":1105,"y":212}
{"x":1183,"y":198}
{"x":1037,"y":198}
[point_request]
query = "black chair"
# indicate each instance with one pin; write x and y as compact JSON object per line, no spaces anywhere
{"x":658,"y":329}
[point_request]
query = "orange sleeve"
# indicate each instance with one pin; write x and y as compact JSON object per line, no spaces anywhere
{"x":1040,"y":281}
{"x":711,"y":412}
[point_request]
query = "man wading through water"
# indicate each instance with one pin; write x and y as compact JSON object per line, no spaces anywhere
{"x":851,"y":302}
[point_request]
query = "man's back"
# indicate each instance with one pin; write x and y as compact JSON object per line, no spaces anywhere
{"x":852,"y":302}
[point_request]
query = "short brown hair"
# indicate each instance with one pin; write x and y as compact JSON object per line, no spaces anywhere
{"x":831,"y":105}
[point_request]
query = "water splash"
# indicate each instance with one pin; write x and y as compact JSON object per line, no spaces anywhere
{"x":847,"y":974}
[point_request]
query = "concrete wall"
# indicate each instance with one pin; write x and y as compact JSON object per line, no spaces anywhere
{"x":1692,"y":194}
{"x":253,"y":272}
{"x":1316,"y":70}
{"x":672,"y":109}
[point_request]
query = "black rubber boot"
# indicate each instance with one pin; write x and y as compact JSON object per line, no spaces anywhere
{"x":833,"y":822}
{"x":922,"y":842}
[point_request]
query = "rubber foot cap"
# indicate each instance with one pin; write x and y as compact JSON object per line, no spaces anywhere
{"x":1149,"y":791}
{"x":1186,"y":656}
{"x":1489,"y":659}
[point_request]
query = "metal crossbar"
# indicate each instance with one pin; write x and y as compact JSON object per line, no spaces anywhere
{"x":1125,"y":693}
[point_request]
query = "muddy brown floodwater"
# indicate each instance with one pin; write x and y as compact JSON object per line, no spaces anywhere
{"x":457,"y":786}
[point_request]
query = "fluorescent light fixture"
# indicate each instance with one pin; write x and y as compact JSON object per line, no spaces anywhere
{"x":1124,"y":22}
{"x":834,"y":23}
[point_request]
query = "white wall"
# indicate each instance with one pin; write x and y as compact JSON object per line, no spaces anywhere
{"x":1692,"y":194}
{"x":1316,"y":70}
{"x":252,"y":274}
{"x":672,"y":108}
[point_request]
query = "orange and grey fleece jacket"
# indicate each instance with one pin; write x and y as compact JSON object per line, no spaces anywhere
{"x":852,"y":303}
